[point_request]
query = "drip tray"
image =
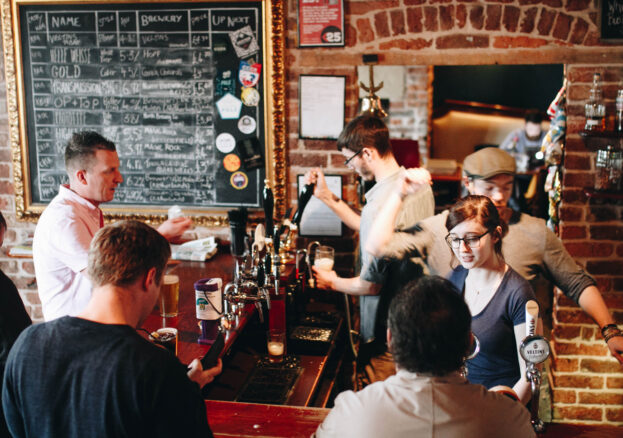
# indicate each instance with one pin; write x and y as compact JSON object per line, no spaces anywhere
{"x":271,"y":383}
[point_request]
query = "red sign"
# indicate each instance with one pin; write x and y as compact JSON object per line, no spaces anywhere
{"x":321,"y":23}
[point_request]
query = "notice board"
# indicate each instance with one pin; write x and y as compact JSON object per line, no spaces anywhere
{"x":185,"y":90}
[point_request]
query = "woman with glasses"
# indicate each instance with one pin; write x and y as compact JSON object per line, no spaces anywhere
{"x":495,"y":294}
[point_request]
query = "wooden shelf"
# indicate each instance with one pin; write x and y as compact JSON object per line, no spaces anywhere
{"x":595,"y":140}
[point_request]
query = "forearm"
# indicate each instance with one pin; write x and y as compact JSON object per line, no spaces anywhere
{"x":593,"y":304}
{"x":350,"y":217}
{"x":355,"y":286}
{"x":383,"y":226}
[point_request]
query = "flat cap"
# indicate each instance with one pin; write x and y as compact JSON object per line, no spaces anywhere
{"x":489,"y":162}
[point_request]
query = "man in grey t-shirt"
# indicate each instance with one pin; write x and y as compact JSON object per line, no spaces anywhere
{"x":364,"y":142}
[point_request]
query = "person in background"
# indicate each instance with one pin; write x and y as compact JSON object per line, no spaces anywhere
{"x":495,"y":294}
{"x":93,"y":375}
{"x":525,"y":143}
{"x":530,"y":247}
{"x":365,"y":144}
{"x":72,"y":218}
{"x":13,"y":319}
{"x":429,"y":336}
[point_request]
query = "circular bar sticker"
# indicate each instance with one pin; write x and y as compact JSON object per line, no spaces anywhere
{"x":231,"y":162}
{"x":246,"y":124}
{"x":225,"y":142}
{"x":239,"y":180}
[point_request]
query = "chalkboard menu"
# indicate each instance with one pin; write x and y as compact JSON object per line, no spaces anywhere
{"x":612,"y":19}
{"x":178,"y":87}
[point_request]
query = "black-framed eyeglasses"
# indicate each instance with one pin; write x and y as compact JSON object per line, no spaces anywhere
{"x":354,"y":155}
{"x":472,"y":241}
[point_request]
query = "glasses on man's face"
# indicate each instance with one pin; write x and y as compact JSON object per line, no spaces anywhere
{"x":472,"y":241}
{"x":346,"y":162}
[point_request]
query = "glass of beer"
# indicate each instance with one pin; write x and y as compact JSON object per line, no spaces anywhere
{"x":169,"y":295}
{"x":276,"y":343}
{"x":165,"y":337}
{"x":324,"y":258}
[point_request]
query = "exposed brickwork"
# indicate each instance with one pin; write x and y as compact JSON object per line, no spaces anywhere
{"x":511,"y":18}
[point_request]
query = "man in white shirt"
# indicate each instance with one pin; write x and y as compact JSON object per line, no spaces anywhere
{"x":429,"y":335}
{"x":70,"y":221}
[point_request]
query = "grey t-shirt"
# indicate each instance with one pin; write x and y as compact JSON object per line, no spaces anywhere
{"x":530,"y":248}
{"x":391,"y":274}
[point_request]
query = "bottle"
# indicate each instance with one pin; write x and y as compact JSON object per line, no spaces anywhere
{"x":618,"y":126}
{"x":608,"y":164}
{"x":595,"y":109}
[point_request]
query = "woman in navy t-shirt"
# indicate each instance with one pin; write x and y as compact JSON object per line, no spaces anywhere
{"x":495,"y":294}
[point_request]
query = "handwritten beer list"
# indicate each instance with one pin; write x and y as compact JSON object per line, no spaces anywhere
{"x":142,"y":78}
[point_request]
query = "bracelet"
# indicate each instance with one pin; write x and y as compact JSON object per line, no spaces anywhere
{"x":613,"y":333}
{"x":607,"y":327}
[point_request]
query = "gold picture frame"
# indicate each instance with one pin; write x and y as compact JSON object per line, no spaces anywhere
{"x":273,"y":32}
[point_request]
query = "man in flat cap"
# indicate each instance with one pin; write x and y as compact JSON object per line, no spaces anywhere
{"x":530,"y":247}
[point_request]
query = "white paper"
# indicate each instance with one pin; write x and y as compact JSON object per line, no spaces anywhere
{"x":318,"y":219}
{"x":321,"y":106}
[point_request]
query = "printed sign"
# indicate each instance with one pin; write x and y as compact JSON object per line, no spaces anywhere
{"x":321,"y":23}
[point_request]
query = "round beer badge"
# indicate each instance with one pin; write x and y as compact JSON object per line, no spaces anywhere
{"x":231,"y":162}
{"x":239,"y":180}
{"x":246,"y":124}
{"x":225,"y":142}
{"x":250,"y":96}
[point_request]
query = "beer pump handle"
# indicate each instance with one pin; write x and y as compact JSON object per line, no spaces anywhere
{"x":269,"y":203}
{"x":276,"y":239}
{"x":532,"y":316}
{"x":304,"y":198}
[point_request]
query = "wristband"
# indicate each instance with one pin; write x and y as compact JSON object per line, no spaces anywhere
{"x":608,"y":327}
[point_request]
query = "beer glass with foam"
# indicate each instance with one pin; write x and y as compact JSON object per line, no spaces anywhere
{"x":324,"y":258}
{"x":169,"y":295}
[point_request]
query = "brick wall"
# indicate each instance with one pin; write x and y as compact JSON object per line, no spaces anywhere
{"x":589,"y":386}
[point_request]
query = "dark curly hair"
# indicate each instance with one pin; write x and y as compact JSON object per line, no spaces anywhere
{"x":430,"y":327}
{"x":365,"y":131}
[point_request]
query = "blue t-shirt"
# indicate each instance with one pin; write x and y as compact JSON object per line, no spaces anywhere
{"x":497,"y":362}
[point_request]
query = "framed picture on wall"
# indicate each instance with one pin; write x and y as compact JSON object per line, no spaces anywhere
{"x":321,"y":106}
{"x":321,"y":23}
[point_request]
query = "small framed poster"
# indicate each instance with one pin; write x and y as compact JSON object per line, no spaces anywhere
{"x":321,"y":106}
{"x":321,"y":23}
{"x":611,"y":20}
{"x":318,"y":219}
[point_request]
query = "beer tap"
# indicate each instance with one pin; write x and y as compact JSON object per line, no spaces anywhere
{"x":276,"y":259}
{"x":269,"y":203}
{"x":534,"y":349}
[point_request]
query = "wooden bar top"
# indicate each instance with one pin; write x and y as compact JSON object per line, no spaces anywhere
{"x":228,"y":419}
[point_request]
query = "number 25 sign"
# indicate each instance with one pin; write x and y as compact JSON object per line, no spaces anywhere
{"x":321,"y":23}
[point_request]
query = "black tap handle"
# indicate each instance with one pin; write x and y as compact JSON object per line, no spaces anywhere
{"x":276,"y":239}
{"x":261,"y":274}
{"x":304,"y":198}
{"x":269,"y":203}
{"x":268,"y":263}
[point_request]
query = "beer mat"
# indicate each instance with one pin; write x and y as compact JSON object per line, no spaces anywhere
{"x":325,"y":319}
{"x":271,"y":384}
{"x":310,"y":340}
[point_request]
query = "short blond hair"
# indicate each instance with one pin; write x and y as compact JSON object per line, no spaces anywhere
{"x":123,"y":252}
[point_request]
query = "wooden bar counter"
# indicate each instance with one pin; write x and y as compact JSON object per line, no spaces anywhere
{"x":221,"y":266}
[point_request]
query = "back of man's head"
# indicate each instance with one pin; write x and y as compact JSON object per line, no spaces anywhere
{"x":533,"y":116}
{"x":81,"y":149}
{"x":489,"y":162}
{"x":123,"y":252}
{"x":430,"y":327}
{"x":365,"y":131}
